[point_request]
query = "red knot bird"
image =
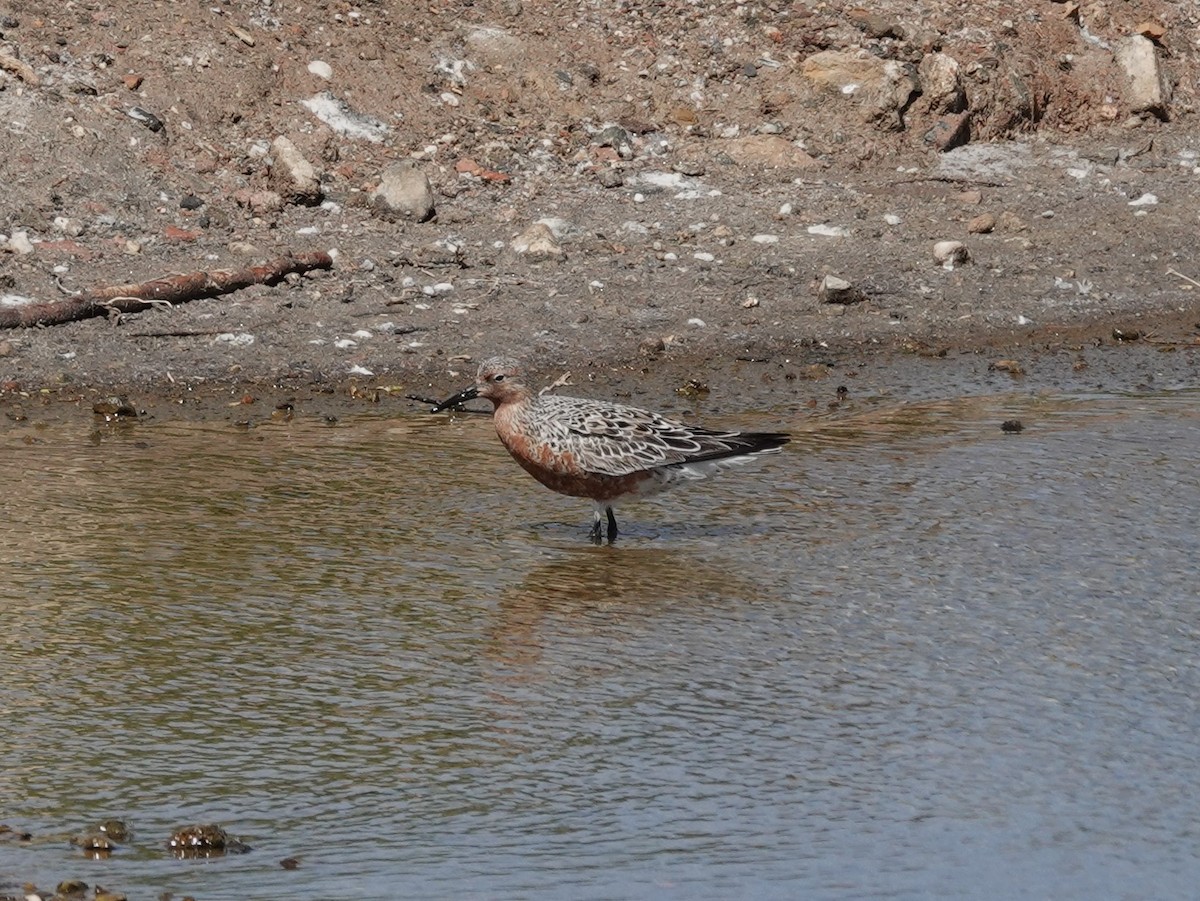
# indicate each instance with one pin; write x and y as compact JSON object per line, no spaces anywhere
{"x":600,"y":450}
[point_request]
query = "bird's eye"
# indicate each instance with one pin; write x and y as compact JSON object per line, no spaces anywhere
{"x":499,"y":377}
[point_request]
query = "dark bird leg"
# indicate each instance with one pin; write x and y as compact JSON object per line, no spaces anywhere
{"x":594,"y":535}
{"x":612,"y":525}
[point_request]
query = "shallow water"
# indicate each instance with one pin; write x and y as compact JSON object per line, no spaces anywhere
{"x":912,"y":656}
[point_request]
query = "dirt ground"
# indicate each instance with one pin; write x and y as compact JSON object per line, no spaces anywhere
{"x":698,"y":167}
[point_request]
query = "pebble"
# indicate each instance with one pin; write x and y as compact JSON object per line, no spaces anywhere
{"x":404,"y":192}
{"x":68,"y":226}
{"x":704,"y":256}
{"x":951,"y":253}
{"x":240,"y":339}
{"x":892,"y":219}
{"x":18,"y":242}
{"x":537,"y":243}
{"x":765,"y":239}
{"x":293,"y":176}
{"x":145,"y":117}
{"x":610,"y":178}
{"x":321,"y":69}
{"x":1145,"y":200}
{"x":837,"y":290}
{"x":982,"y":224}
{"x":829,"y":231}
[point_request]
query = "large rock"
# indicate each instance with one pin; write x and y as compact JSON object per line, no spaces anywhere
{"x":767,"y":152}
{"x":883,"y":87}
{"x":292,"y":176}
{"x":941,"y":83}
{"x":404,"y":193}
{"x":1147,"y":89}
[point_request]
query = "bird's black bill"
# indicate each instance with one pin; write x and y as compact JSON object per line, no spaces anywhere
{"x":457,"y":400}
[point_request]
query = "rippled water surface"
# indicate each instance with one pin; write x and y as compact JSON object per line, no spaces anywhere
{"x":912,"y":656}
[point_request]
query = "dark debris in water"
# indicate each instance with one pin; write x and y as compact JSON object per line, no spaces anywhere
{"x":207,"y":840}
{"x":112,"y":408}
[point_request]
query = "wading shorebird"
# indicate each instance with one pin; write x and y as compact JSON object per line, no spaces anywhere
{"x":600,"y":450}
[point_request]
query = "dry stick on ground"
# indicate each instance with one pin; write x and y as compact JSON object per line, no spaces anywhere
{"x":166,"y":290}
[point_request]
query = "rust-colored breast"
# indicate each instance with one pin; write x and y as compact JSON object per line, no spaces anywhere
{"x":558,"y":469}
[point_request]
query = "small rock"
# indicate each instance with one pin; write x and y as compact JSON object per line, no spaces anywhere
{"x":874,"y":25}
{"x":829,"y":231}
{"x":1010,"y":222}
{"x":145,"y":117}
{"x":1155,"y":31}
{"x":1012,"y":367}
{"x":617,"y":138}
{"x":240,"y":339}
{"x":321,"y":69}
{"x":18,"y":242}
{"x":1147,"y":87}
{"x":689,"y":166}
{"x":175,"y":235}
{"x":610,"y":178}
{"x":950,"y":131}
{"x":110,"y":408}
{"x":292,"y":175}
{"x":982,"y":224}
{"x":951,"y":253}
{"x":537,"y":243}
{"x":941,"y":84}
{"x":1011,"y":425}
{"x":768,"y":152}
{"x":404,"y":192}
{"x":260,"y":203}
{"x":838,"y":290}
{"x":204,"y":841}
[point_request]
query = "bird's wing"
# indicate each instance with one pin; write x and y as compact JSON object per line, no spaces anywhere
{"x":612,"y":439}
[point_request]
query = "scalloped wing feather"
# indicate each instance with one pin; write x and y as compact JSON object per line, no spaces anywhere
{"x":615,"y":440}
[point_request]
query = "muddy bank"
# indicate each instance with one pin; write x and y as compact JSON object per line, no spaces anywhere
{"x":758,"y":199}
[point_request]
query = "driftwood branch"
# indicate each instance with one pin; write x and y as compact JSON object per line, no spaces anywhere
{"x":169,"y":289}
